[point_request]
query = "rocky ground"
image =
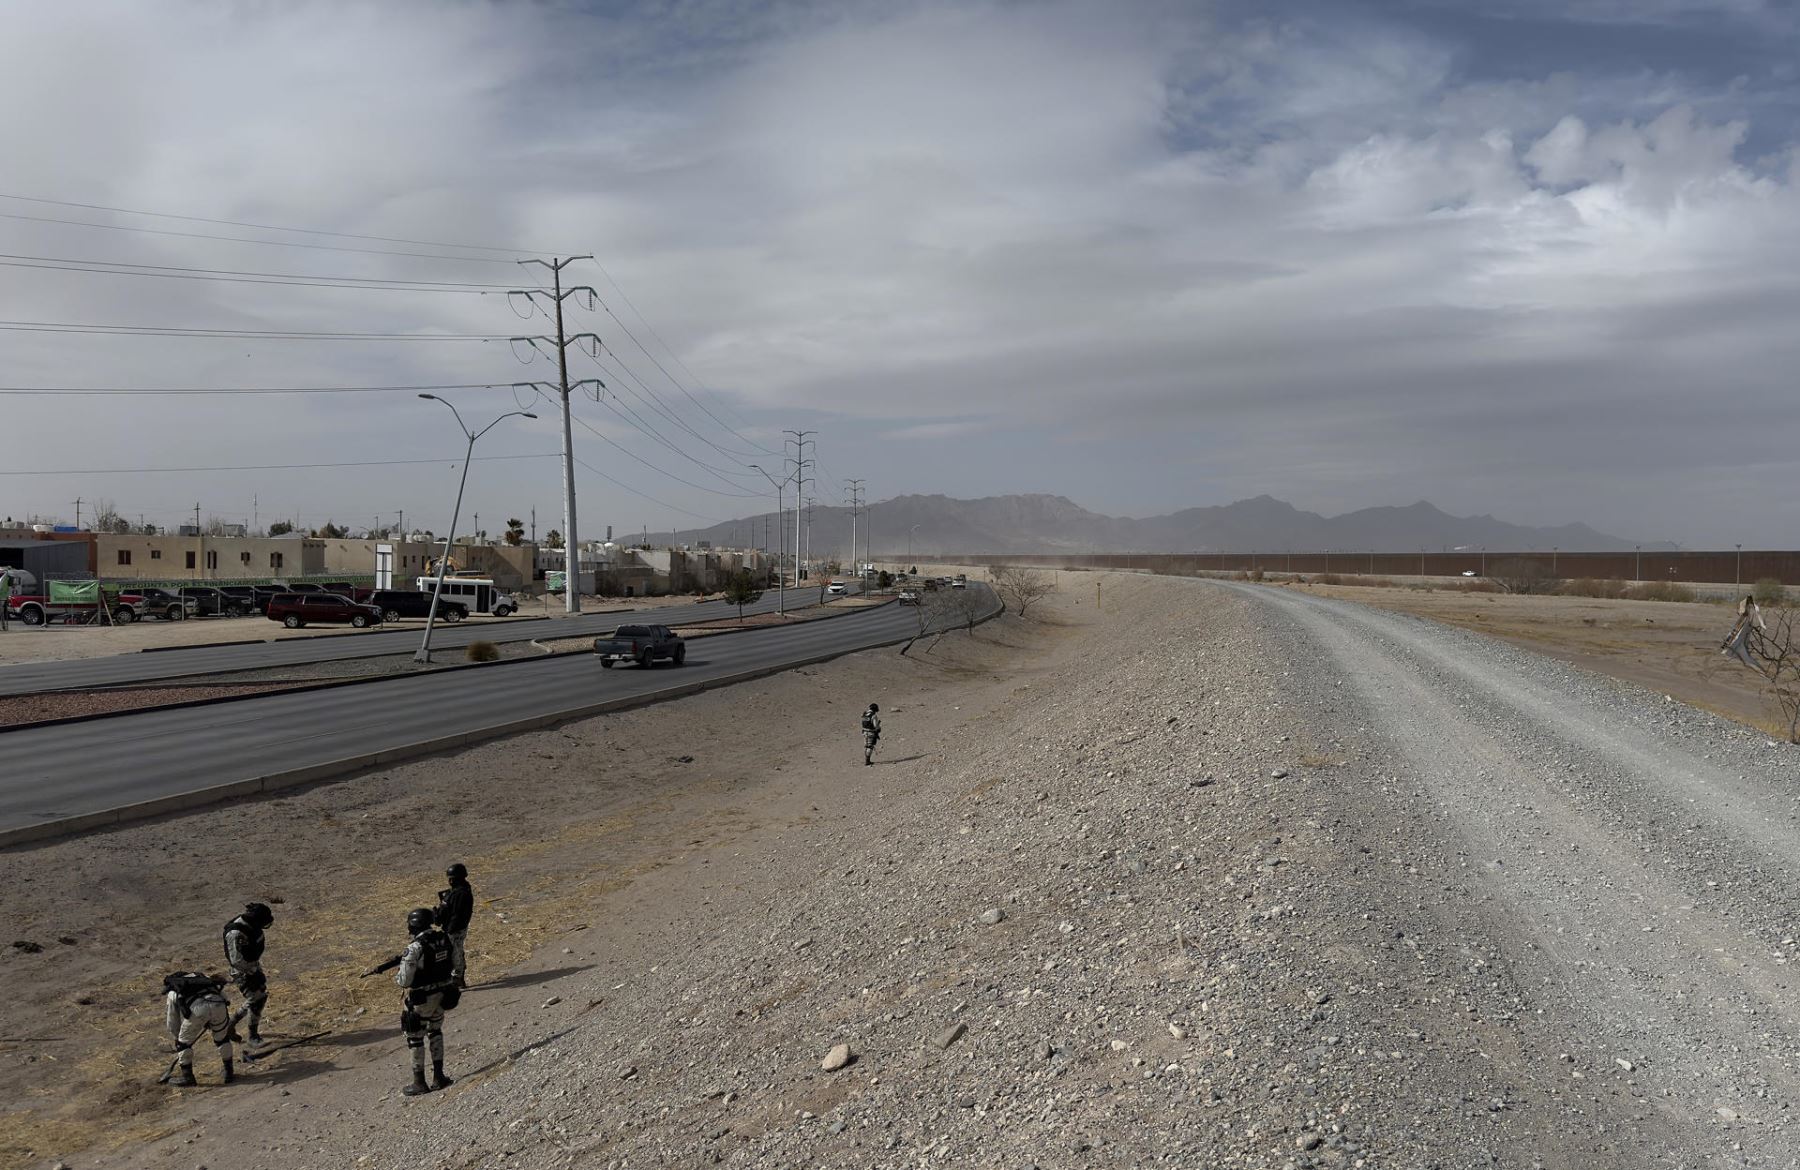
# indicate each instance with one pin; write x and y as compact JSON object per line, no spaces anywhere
{"x":1217,"y":876}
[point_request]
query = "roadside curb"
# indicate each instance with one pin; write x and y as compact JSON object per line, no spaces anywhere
{"x":276,"y":781}
{"x":302,"y":638}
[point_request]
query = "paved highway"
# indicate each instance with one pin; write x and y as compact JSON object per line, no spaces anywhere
{"x":27,"y":678}
{"x":54,"y":773}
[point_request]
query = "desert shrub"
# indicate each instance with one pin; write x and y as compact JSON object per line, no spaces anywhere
{"x":1523,"y":575}
{"x":1256,"y":574}
{"x":1479,"y":585}
{"x":1328,"y":579}
{"x":1591,"y":587}
{"x":1769,"y":591}
{"x":1660,"y":591}
{"x":482,"y":652}
{"x":1240,"y":575}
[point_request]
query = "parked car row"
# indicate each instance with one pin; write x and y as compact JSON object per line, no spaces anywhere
{"x":294,"y":606}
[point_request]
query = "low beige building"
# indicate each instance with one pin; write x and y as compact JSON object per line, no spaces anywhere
{"x":136,"y":557}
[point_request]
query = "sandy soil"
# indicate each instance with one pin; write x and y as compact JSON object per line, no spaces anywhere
{"x":562,"y":830}
{"x":1672,"y":647}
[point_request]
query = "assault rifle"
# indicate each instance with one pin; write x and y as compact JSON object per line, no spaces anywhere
{"x":389,"y":965}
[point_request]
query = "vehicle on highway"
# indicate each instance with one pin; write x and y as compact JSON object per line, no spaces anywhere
{"x":642,"y":645}
{"x":214,"y":602}
{"x":157,"y":603}
{"x":909,"y":597}
{"x":294,"y":610}
{"x":480,"y":594}
{"x":395,"y":604}
{"x":837,"y":588}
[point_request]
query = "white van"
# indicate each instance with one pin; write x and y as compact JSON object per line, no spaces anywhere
{"x":480,"y":594}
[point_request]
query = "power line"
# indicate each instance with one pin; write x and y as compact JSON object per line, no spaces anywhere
{"x":677,"y":384}
{"x":263,"y":227}
{"x":629,"y":453}
{"x":667,"y":348}
{"x":642,"y":495}
{"x":265,"y":334}
{"x":259,"y":467}
{"x":644,"y":428}
{"x":84,"y":391}
{"x":238,"y":276}
{"x":119,"y":227}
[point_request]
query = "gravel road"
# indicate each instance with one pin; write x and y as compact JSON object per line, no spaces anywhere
{"x":1232,"y":877}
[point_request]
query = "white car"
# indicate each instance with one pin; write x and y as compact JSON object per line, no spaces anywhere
{"x":959,"y":583}
{"x":837,"y":589}
{"x":1469,"y":572}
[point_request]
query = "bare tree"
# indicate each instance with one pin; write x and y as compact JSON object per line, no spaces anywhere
{"x":1779,"y":648}
{"x":1523,"y":575}
{"x":933,"y":614}
{"x":964,"y":608}
{"x":1019,"y":587}
{"x":1768,"y":642}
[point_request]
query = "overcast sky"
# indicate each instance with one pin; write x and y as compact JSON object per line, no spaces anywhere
{"x":1541,"y":261}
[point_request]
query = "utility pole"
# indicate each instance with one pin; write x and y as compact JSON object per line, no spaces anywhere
{"x":809,"y":506}
{"x":78,"y":513}
{"x":534,"y":525}
{"x":562,"y":342}
{"x":200,"y":540}
{"x":855,"y":516}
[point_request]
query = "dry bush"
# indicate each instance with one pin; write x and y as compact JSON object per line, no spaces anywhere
{"x":1769,"y":591}
{"x":1523,"y":575}
{"x":1660,"y":591}
{"x":1479,"y":585}
{"x":1256,"y":574}
{"x":1608,"y":588}
{"x":1021,"y":588}
{"x":482,"y":652}
{"x":1328,"y":579}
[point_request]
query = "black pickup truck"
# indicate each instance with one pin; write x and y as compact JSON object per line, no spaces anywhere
{"x":642,"y":645}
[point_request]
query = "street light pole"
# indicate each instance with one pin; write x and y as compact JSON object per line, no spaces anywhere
{"x":424,"y":652}
{"x":780,"y":577}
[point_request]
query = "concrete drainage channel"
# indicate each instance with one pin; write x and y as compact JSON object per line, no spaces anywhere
{"x":332,"y":769}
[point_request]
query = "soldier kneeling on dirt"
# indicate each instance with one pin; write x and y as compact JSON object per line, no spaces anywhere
{"x":428,"y":972}
{"x":196,"y":1006}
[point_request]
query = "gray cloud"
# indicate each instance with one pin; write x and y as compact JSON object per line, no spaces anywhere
{"x":1143,"y":256}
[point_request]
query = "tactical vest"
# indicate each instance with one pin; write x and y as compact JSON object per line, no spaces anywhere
{"x":189,"y":986}
{"x":252,"y":946}
{"x":868,"y":723}
{"x":435,"y":962}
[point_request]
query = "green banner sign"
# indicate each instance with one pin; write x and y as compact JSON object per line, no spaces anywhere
{"x":74,"y":592}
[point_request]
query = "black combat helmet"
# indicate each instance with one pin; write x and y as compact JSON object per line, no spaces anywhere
{"x":457,"y":871}
{"x":419,"y":920}
{"x":259,"y":915}
{"x":874,"y":706}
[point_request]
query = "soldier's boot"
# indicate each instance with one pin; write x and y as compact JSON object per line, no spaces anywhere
{"x":418,"y":1088}
{"x":438,"y":1079}
{"x":255,"y":1035}
{"x":230,"y":1073}
{"x":184,"y":1077}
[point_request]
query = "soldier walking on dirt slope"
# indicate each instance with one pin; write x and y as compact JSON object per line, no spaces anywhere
{"x":195,"y":1006}
{"x":871,"y":729}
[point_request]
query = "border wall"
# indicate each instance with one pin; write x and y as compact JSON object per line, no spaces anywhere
{"x":1712,"y":568}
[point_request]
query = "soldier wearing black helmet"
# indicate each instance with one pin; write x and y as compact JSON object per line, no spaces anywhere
{"x":243,"y":953}
{"x":427,"y":972}
{"x":456,"y":906}
{"x":871,"y":729}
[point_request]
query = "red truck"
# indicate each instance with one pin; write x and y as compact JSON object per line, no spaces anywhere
{"x":34,"y":609}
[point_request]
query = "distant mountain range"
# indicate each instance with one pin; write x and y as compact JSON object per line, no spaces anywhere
{"x":939,"y":525}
